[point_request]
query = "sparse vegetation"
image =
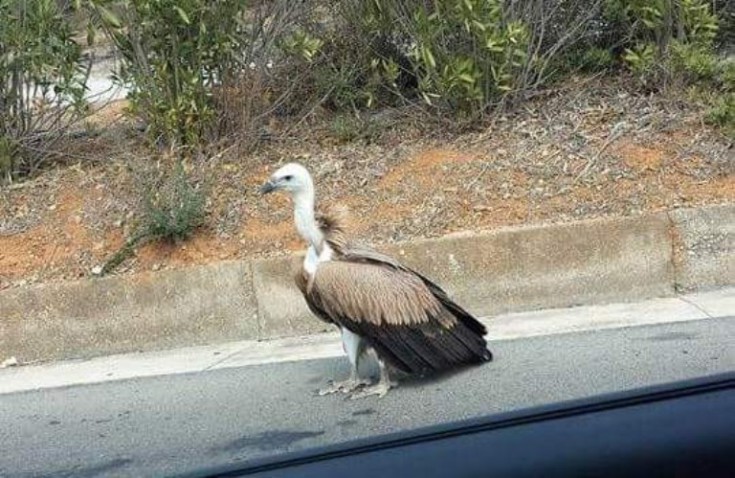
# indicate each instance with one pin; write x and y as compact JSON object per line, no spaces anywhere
{"x":206,"y":77}
{"x":173,"y":208}
{"x":345,"y":128}
{"x":722,"y":113}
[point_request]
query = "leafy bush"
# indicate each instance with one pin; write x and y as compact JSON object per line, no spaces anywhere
{"x":173,"y":52}
{"x":667,"y":39}
{"x":725,"y":11}
{"x":594,"y":59}
{"x":722,"y":114}
{"x":201,"y":69}
{"x":336,"y":60}
{"x":662,"y":21}
{"x":693,"y":61}
{"x":468,"y":69}
{"x":457,"y":56}
{"x":726,"y":74}
{"x":339,"y":73}
{"x":642,"y":59}
{"x":42,"y":80}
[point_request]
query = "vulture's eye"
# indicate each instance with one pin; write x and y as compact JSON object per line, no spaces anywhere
{"x":287,"y":178}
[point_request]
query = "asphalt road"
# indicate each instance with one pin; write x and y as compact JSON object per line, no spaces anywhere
{"x":165,"y":425}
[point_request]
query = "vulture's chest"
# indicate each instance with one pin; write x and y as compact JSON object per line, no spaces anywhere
{"x":313,"y":258}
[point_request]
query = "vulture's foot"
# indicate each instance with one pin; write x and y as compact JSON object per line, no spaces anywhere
{"x":380,"y":389}
{"x":344,"y":386}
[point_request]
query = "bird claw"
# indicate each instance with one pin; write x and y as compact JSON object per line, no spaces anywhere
{"x":379,"y":389}
{"x":344,"y":386}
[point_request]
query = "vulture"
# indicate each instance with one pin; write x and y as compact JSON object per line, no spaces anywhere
{"x":378,"y":304}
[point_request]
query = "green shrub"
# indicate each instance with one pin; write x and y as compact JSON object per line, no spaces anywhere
{"x":345,"y":128}
{"x":722,"y":113}
{"x":725,"y":11}
{"x":594,"y":59}
{"x":173,"y":52}
{"x":693,"y":62}
{"x":341,"y":80}
{"x":642,"y":59}
{"x":457,"y":57}
{"x":42,"y":80}
{"x":173,"y":208}
{"x":698,"y":24}
{"x":726,"y":74}
{"x":467,"y":55}
{"x":668,"y":39}
{"x":662,"y":21}
{"x":340,"y":60}
{"x":463,"y":56}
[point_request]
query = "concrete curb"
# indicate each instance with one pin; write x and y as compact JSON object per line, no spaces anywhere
{"x":514,"y":326}
{"x":509,"y":270}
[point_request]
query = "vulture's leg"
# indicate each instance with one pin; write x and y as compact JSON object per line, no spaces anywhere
{"x":381,"y":388}
{"x":354,"y":346}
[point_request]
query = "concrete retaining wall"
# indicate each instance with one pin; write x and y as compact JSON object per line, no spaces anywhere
{"x":510,"y":269}
{"x":550,"y":266}
{"x":124,"y":314}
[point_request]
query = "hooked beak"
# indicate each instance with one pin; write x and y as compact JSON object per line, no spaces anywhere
{"x":268,"y":187}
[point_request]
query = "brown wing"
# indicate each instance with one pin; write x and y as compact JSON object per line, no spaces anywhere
{"x":394,"y":309}
{"x":359,"y":253}
{"x":302,"y":282}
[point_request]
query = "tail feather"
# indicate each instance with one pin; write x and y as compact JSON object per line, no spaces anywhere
{"x":458,"y":311}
